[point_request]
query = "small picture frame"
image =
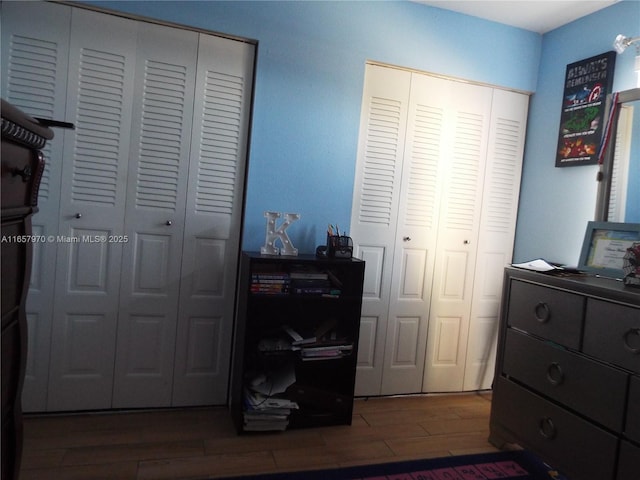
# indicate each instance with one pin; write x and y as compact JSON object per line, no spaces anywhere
{"x":604,"y":247}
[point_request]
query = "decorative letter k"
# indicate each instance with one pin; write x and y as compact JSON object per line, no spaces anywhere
{"x":274,"y":234}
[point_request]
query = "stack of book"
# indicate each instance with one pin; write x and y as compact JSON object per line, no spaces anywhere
{"x":265,"y":408}
{"x":270,"y":283}
{"x":264,"y":413}
{"x":326,"y":350}
{"x":323,"y":344}
{"x":312,"y":283}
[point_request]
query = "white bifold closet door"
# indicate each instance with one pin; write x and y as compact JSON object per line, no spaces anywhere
{"x":211,"y":247}
{"x":95,"y":161}
{"x":422,"y":209}
{"x":132,"y":304}
{"x":35,"y":44}
{"x":154,"y":216}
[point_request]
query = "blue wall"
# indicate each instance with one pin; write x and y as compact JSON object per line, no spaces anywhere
{"x":557,"y":203}
{"x":309,"y":79}
{"x":308,"y":91}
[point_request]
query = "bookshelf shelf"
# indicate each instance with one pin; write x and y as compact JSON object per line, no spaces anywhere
{"x":295,"y":342}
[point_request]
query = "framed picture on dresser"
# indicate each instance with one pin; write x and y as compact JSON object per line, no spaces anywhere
{"x":604,"y":247}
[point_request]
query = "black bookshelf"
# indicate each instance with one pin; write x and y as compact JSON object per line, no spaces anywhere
{"x":295,"y":341}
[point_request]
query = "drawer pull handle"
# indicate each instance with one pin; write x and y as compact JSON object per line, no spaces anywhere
{"x":25,"y":173}
{"x":555,"y":375}
{"x":547,"y":428}
{"x":542,"y":312}
{"x":628,"y":340}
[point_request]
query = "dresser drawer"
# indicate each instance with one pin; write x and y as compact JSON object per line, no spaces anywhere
{"x":632,"y":426}
{"x":555,"y":434}
{"x":612,"y":333}
{"x":568,"y":378}
{"x":547,"y":312}
{"x":629,"y":464}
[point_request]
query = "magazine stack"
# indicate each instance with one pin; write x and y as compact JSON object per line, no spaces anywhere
{"x":265,"y":408}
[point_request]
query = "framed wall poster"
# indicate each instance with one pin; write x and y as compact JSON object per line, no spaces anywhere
{"x":604,"y":247}
{"x":586,"y":86}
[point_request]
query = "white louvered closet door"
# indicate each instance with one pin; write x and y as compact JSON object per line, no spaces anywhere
{"x":468,"y":111}
{"x":381,"y":146}
{"x":415,"y":238}
{"x":213,"y":219}
{"x":449,"y":176}
{"x":92,"y":207}
{"x":154,"y":216}
{"x":162,"y":119}
{"x":35,"y":43}
{"x":501,"y":191}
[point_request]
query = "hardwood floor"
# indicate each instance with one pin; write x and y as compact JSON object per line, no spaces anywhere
{"x":202,"y":443}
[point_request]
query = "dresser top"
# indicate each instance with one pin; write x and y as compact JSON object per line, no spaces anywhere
{"x":606,"y":288}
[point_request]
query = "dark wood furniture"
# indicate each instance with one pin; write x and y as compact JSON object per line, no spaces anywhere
{"x":22,"y":168}
{"x":324,"y":301}
{"x":567,"y":382}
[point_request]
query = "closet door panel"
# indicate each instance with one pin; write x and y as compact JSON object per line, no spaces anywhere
{"x":223,"y":92}
{"x":35,"y":42}
{"x":367,"y":343}
{"x":375,"y":203}
{"x":95,"y":159}
{"x":496,"y":233}
{"x":154,"y":215}
{"x":466,"y":135}
{"x":373,"y":257}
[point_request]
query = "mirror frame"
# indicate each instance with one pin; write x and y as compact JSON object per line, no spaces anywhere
{"x":606,"y":170}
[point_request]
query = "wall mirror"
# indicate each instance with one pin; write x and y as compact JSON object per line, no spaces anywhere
{"x":619,"y":191}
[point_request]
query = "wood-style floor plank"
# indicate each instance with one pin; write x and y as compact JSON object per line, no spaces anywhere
{"x":200,"y":443}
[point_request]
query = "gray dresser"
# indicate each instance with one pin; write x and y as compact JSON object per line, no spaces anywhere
{"x":567,"y":383}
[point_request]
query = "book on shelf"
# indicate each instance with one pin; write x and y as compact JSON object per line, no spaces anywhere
{"x":306,"y":275}
{"x":270,"y":283}
{"x":326,"y":352}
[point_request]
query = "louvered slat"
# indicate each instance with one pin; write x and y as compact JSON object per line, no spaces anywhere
{"x":31,"y":86}
{"x":503,"y":175}
{"x":462,"y":190}
{"x":220,"y":143}
{"x":99,"y":114}
{"x":379,"y":163}
{"x":161,"y":135}
{"x":424,"y":159}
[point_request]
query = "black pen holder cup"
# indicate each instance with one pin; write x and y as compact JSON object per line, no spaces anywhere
{"x":339,"y":246}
